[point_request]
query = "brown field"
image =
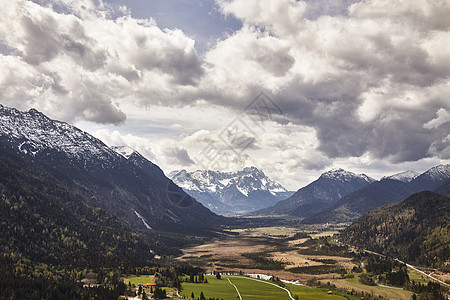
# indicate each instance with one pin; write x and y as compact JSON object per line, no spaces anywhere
{"x":225,"y":254}
{"x":273,"y":243}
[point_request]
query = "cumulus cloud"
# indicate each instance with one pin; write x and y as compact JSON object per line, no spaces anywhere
{"x":362,"y":78}
{"x":366,"y":80}
{"x":443,"y":117}
{"x":167,"y":153}
{"x":78,"y":60}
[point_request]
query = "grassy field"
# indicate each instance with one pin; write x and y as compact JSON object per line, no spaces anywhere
{"x":139,"y":280}
{"x":250,"y":289}
{"x":387,"y":292}
{"x":414,"y":276}
{"x":299,"y":258}
{"x":307,"y":293}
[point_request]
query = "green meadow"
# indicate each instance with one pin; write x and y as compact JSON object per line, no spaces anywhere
{"x":140,"y":280}
{"x":250,"y":289}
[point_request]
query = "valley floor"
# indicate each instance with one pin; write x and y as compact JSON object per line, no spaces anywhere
{"x":285,"y":253}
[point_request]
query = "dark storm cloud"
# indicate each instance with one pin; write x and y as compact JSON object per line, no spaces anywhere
{"x":366,"y":75}
{"x":397,"y":133}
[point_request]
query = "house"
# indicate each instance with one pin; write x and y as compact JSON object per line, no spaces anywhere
{"x":147,"y":285}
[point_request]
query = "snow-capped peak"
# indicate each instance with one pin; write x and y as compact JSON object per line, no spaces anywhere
{"x":248,"y":180}
{"x":33,"y":132}
{"x":343,"y":175}
{"x":438,"y":172}
{"x":405,"y":176}
{"x":125,"y":151}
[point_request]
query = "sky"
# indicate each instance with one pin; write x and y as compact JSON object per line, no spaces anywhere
{"x":294,"y":88}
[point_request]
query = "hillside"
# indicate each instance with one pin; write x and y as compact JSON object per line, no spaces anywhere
{"x":320,"y":194}
{"x":444,"y":189}
{"x":231,"y":192}
{"x":44,"y":222}
{"x":132,"y":188}
{"x":416,"y":230}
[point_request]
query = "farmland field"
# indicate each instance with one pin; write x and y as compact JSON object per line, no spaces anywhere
{"x":286,"y":253}
{"x":139,"y":280}
{"x":387,"y":292}
{"x":250,"y":289}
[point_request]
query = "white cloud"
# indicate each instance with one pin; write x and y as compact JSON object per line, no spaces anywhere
{"x":355,"y":81}
{"x":89,"y":60}
{"x":443,"y":116}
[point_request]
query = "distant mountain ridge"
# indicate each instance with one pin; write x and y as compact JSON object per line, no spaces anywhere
{"x":406,"y":176}
{"x":431,"y":179}
{"x":231,"y":192}
{"x":381,"y":193}
{"x":320,"y":194}
{"x":133,"y":188}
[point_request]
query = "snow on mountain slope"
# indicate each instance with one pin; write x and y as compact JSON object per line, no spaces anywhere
{"x":32,"y":133}
{"x":123,"y":183}
{"x":125,"y":151}
{"x":345,"y":176}
{"x":231,"y":192}
{"x":319,"y":194}
{"x":439,"y":172}
{"x":405,"y":177}
{"x":431,"y":179}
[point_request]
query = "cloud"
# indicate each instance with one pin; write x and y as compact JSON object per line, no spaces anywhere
{"x":115,"y":138}
{"x":366,"y":80}
{"x":166,"y":153}
{"x":77,"y":60}
{"x":180,"y":157}
{"x":362,"y":78}
{"x":442,"y":117}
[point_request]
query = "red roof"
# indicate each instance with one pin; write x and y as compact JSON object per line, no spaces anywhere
{"x":149,"y":284}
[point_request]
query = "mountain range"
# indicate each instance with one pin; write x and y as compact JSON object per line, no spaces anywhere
{"x":320,"y":194}
{"x":380,"y":193}
{"x":231,"y":192}
{"x":126,"y":185}
{"x":122,"y":182}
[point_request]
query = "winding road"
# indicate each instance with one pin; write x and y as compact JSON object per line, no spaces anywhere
{"x":289,"y":293}
{"x":237,"y":291}
{"x":411,"y":267}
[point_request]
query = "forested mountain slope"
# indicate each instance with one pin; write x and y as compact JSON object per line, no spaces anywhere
{"x":416,"y":230}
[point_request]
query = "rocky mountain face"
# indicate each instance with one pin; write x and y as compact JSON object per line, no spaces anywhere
{"x":231,"y":192}
{"x":320,"y":194}
{"x":126,"y":184}
{"x":380,"y":193}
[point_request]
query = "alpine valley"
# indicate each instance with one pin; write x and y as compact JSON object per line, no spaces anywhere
{"x":82,"y":220}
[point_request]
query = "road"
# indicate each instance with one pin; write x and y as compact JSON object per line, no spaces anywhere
{"x":237,"y":291}
{"x":289,"y":293}
{"x":411,"y":267}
